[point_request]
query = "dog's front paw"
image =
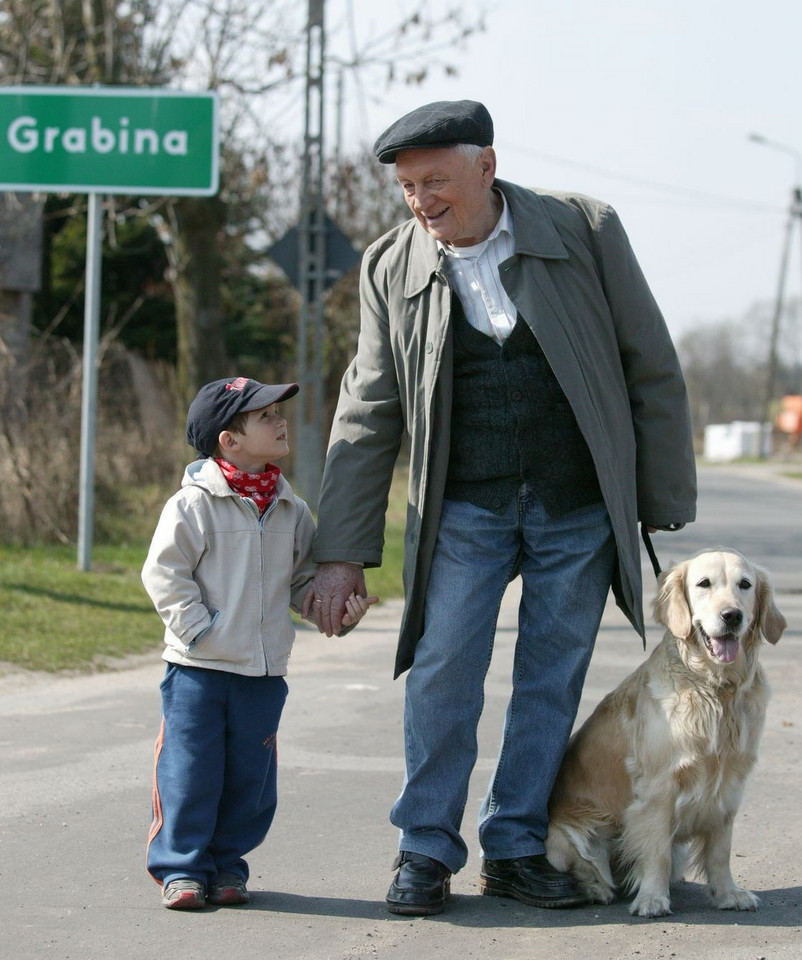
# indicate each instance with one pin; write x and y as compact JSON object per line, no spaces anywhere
{"x":647,"y":905}
{"x":598,"y":892}
{"x":735,"y":899}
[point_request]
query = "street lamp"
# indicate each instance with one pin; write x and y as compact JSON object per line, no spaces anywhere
{"x":783,"y":148}
{"x":794,"y":215}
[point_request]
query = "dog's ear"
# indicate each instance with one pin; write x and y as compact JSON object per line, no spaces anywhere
{"x":671,"y":604}
{"x":768,"y":617}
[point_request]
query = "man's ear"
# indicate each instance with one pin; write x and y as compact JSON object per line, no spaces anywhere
{"x":487,"y":159}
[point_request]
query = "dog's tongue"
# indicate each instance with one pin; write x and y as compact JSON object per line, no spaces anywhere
{"x":725,"y":649}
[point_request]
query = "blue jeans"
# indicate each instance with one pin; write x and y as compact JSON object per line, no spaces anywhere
{"x":214,"y":789}
{"x":566,"y":564}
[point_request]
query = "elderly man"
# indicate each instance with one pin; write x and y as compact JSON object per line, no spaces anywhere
{"x":511,"y":336}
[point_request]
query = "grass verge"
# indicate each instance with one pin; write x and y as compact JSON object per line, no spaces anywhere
{"x":57,"y":617}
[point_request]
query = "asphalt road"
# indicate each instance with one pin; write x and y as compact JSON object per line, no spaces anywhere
{"x":75,"y":767}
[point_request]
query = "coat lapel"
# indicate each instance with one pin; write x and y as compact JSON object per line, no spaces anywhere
{"x":424,"y":261}
{"x":528,"y":283}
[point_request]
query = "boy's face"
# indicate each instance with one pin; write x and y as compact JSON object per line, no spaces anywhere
{"x":263,"y":440}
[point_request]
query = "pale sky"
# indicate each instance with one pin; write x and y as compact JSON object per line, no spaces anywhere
{"x":647,"y":105}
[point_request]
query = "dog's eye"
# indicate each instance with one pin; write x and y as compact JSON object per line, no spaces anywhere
{"x":704,"y":582}
{"x":745,"y":584}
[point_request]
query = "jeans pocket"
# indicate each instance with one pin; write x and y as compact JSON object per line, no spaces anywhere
{"x":169,"y":673}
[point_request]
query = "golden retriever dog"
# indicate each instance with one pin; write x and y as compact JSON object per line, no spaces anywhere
{"x":655,"y":776}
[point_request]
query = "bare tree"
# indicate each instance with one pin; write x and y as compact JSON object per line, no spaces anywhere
{"x":726,"y":365}
{"x":253,"y":53}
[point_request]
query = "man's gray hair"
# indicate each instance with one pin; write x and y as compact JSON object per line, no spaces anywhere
{"x":470,"y":150}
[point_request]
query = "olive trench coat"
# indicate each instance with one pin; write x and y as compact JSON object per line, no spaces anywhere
{"x":575,"y":280}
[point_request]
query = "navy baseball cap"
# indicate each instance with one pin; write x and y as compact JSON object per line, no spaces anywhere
{"x":443,"y":123}
{"x":218,"y":402}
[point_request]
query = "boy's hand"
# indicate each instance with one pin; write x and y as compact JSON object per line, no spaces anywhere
{"x":355,"y":608}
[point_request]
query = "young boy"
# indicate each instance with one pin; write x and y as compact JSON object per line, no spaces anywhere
{"x":231,"y":553}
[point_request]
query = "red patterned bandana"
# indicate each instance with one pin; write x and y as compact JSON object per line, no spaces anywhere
{"x":259,"y":487}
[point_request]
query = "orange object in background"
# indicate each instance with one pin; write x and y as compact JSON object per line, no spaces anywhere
{"x":789,"y":419}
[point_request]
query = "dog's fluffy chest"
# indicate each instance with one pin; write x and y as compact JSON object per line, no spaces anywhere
{"x":711,"y":735}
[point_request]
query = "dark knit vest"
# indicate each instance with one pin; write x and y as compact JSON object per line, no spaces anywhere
{"x":511,"y":423}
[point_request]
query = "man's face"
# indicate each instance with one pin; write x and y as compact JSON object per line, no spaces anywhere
{"x":450,"y":193}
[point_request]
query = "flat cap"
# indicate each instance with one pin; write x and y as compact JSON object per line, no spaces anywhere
{"x":440,"y":124}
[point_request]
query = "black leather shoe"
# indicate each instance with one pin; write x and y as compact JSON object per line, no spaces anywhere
{"x":421,"y":886}
{"x":531,"y":880}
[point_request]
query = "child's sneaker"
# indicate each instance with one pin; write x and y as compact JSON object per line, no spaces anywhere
{"x":227,"y":889}
{"x":184,"y":894}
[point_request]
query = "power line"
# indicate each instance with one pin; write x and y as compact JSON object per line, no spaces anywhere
{"x":676,"y":191}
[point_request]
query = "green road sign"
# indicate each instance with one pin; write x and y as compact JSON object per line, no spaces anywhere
{"x":108,"y":140}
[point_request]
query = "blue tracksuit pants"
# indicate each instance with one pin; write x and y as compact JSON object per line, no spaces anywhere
{"x":214,"y":785}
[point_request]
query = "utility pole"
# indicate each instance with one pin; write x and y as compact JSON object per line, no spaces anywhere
{"x":338,"y":143}
{"x":311,"y":270}
{"x":794,"y":217}
{"x":313,"y":255}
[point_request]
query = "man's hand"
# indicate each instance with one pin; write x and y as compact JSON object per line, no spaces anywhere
{"x":326,"y":600}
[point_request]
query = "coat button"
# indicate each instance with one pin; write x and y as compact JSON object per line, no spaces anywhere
{"x":429,"y":346}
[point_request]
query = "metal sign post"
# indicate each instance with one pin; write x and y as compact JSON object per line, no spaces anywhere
{"x":86,"y":484}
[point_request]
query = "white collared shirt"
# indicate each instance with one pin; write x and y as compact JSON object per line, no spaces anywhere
{"x":474,"y":273}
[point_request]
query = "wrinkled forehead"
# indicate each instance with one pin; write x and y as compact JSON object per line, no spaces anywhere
{"x":429,"y":162}
{"x":719,"y":567}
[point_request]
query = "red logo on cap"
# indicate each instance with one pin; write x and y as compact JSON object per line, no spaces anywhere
{"x":238,"y":384}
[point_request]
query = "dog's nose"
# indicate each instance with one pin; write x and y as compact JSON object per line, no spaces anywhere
{"x":732,"y":616}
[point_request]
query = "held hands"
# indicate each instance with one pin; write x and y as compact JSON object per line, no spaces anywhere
{"x":356,"y":608}
{"x":327,"y":601}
